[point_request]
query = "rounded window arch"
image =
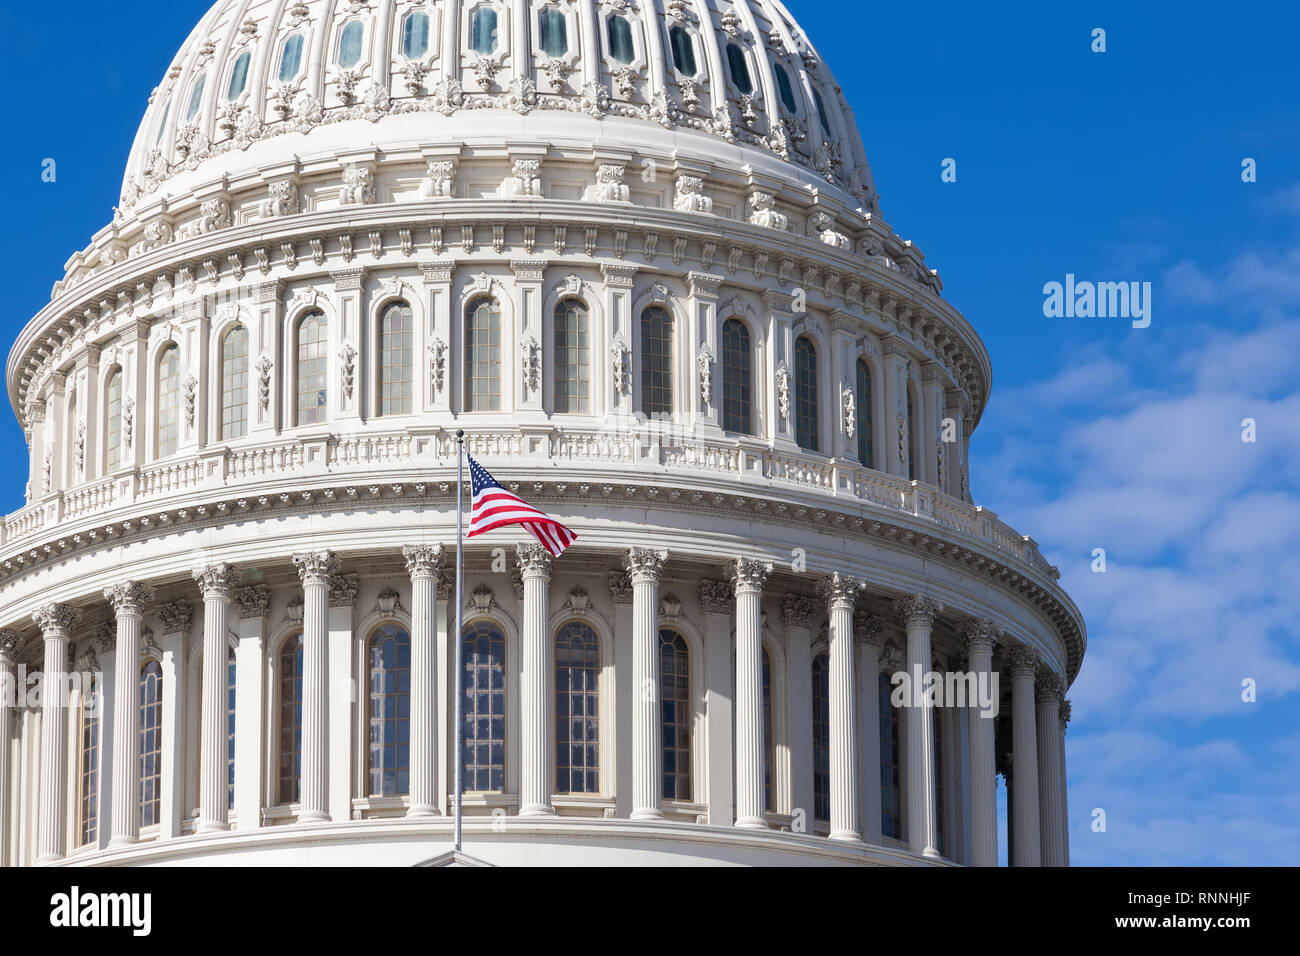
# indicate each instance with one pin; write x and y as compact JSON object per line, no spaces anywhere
{"x":572,"y":356}
{"x":865,"y":424}
{"x":196,"y":98}
{"x":388,"y":711}
{"x":483,"y":355}
{"x":577,"y":709}
{"x":239,"y":76}
{"x":675,"y":713}
{"x":151,"y":716}
{"x":288,"y":708}
{"x":169,"y":400}
{"x":415,"y":35}
{"x":807,"y":433}
{"x":234,"y":383}
{"x":290,"y":58}
{"x":891,"y":806}
{"x":737,"y":378}
{"x":821,"y":736}
{"x":312,"y":348}
{"x":483,"y":684}
{"x":396,"y":359}
{"x":657,"y":362}
{"x":113,"y":421}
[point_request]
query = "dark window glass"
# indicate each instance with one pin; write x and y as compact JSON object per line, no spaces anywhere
{"x":821,"y":742}
{"x":737,"y":378}
{"x":577,"y":709}
{"x":290,"y":58}
{"x":675,"y":714}
{"x":553,"y":30}
{"x":821,"y":112}
{"x":768,"y":787}
{"x":786,"y":90}
{"x":864,"y":424}
{"x":396,"y":360}
{"x":739,"y":67}
{"x":621,"y":47}
{"x":683,"y":51}
{"x":151,"y":700}
{"x":483,"y":30}
{"x":239,"y":76}
{"x":483,"y":356}
{"x":290,"y":681}
{"x":389,"y":654}
{"x":891,"y":808}
{"x":806,"y":395}
{"x":483,"y":684}
{"x":89,"y":782}
{"x":313,"y":368}
{"x":657,"y":363}
{"x":415,"y":35}
{"x":572,"y":358}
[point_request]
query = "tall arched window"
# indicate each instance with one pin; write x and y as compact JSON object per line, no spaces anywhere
{"x":169,"y":400}
{"x":621,"y":45}
{"x":290,"y":57}
{"x":911,"y":438}
{"x":230,"y":727}
{"x":768,"y":788}
{"x":290,"y":714}
{"x":483,"y":683}
{"x":866,"y":453}
{"x":396,"y":359}
{"x":88,"y":777}
{"x":483,"y":30}
{"x":151,"y":706}
{"x":389,"y":712}
{"x":577,"y":709}
{"x":239,"y":76}
{"x":891,"y":807}
{"x":656,"y":363}
{"x":737,"y":378}
{"x":786,"y":89}
{"x":415,"y":35}
{"x":113,"y":422}
{"x":739,"y":68}
{"x":675,"y":714}
{"x":72,"y":431}
{"x":350,"y":38}
{"x":313,"y":368}
{"x":196,"y":98}
{"x":483,"y":356}
{"x":683,"y":48}
{"x":805,"y":377}
{"x":572,"y":358}
{"x":552,"y":32}
{"x":234,"y":383}
{"x":821,"y":742}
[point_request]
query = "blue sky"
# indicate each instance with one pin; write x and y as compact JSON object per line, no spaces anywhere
{"x":1122,"y":166}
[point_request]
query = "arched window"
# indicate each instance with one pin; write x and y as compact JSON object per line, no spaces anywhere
{"x":572,"y":358}
{"x":290,"y":714}
{"x":72,"y":431}
{"x":389,"y":712}
{"x":151,"y":706}
{"x":483,"y":30}
{"x":785,"y":87}
{"x":683,"y":48}
{"x":239,"y":76}
{"x":553,"y":32}
{"x":196,"y":98}
{"x":675,"y":714}
{"x":396,"y":359}
{"x":415,"y":35}
{"x":483,"y":683}
{"x":313,"y":368}
{"x":577,"y":709}
{"x":891,"y":807}
{"x":113,"y":422}
{"x":88,"y":777}
{"x":657,"y":363}
{"x":911,"y":438}
{"x":768,"y":787}
{"x":737,"y":378}
{"x":350,"y":43}
{"x":621,"y":47}
{"x":739,"y":68}
{"x":821,"y":742}
{"x":234,"y":383}
{"x":290,"y":58}
{"x":821,"y":113}
{"x":805,"y":358}
{"x":169,"y":400}
{"x":162,"y":123}
{"x":483,"y":356}
{"x":230,"y":727}
{"x":866,"y":453}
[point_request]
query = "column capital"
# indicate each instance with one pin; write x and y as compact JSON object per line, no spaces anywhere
{"x":716,"y":597}
{"x":868,"y":629}
{"x":176,"y":617}
{"x":55,"y":620}
{"x":1063,"y":715}
{"x":917,"y":610}
{"x":748,"y":574}
{"x":980,"y":635}
{"x":9,"y":641}
{"x":1023,"y":662}
{"x":645,"y":565}
{"x":316,"y":567}
{"x":343,"y":590}
{"x":217,"y":580}
{"x":422,"y":560}
{"x":620,"y":587}
{"x":1049,"y":689}
{"x":798,"y":610}
{"x":129,"y":597}
{"x":839,"y":590}
{"x":534,"y":561}
{"x":253,"y":602}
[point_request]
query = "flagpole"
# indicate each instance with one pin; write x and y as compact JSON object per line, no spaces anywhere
{"x":459,"y":641}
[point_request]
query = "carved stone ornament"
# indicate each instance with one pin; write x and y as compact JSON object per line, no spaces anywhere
{"x":783,"y":391}
{"x":438,"y":365}
{"x":690,"y":195}
{"x":850,"y":407}
{"x":439,"y":181}
{"x":176,"y":618}
{"x":620,"y":358}
{"x":388,"y":603}
{"x":531,"y":359}
{"x":716,"y":597}
{"x":704,"y":362}
{"x":264,"y":366}
{"x":348,"y":368}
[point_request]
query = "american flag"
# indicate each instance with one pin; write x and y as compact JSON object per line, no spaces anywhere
{"x":494,"y":507}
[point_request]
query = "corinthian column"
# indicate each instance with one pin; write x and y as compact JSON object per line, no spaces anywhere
{"x":748,"y":578}
{"x":55,"y":622}
{"x":217,"y":582}
{"x":644,"y":568}
{"x":1023,"y":663}
{"x":423,"y":563}
{"x":128,"y":600}
{"x":316,"y":569}
{"x":1063,"y":721}
{"x":868,"y":633}
{"x":534,"y":779}
{"x":1050,"y":693}
{"x":840,"y":593}
{"x":980,"y":638}
{"x":9,"y":641}
{"x":918,"y":613}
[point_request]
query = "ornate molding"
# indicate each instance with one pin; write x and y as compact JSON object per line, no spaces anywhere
{"x":716,"y":597}
{"x":217,"y":580}
{"x":749,"y":574}
{"x":868,"y":629}
{"x":56,"y":620}
{"x":620,"y":587}
{"x":176,"y":618}
{"x":129,"y":597}
{"x":645,"y":565}
{"x":534,"y":561}
{"x":253,"y":602}
{"x":1050,"y":688}
{"x":1022,"y":662}
{"x":840,"y":590}
{"x":917,"y":610}
{"x":981,"y":636}
{"x":798,"y":610}
{"x":316,"y":567}
{"x":423,"y":560}
{"x":343,"y":590}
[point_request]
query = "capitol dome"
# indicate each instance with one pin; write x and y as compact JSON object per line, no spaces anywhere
{"x":633,"y":249}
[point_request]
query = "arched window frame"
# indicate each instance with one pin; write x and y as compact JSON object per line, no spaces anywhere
{"x":159,"y":354}
{"x":279,"y":76}
{"x":698,"y":723}
{"x":379,"y":310}
{"x":114,"y":377}
{"x":432,"y":50}
{"x":817,"y":446}
{"x":336,"y":47}
{"x":292,"y":331}
{"x":373,"y":630}
{"x":228,"y":76}
{"x":195,"y":97}
{"x":748,"y":320}
{"x":508,"y":365}
{"x":756,"y":94}
{"x":219,"y":407}
{"x":150,"y":813}
{"x":797,"y":93}
{"x":640,"y":60}
{"x":597,"y":340}
{"x":659,"y":296}
{"x":701,"y":74}
{"x":573,"y":37}
{"x":278,"y":643}
{"x":604,"y":632}
{"x":505,"y":42}
{"x":510,"y":631}
{"x":552,"y":347}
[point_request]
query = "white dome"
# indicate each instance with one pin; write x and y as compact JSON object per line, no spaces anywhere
{"x":740,"y":76}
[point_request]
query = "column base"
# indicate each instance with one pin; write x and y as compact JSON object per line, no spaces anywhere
{"x":422,"y":811}
{"x":647,"y":815}
{"x":751,"y":823}
{"x":537,"y":810}
{"x":846,"y":836}
{"x":930,"y":853}
{"x":45,"y":859}
{"x":118,"y":841}
{"x":313,"y":816}
{"x":212,"y":826}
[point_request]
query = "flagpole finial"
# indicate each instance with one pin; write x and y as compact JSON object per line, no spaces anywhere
{"x":460,"y":434}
